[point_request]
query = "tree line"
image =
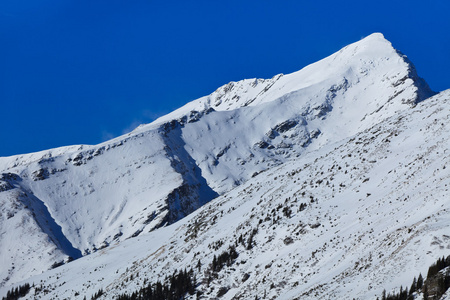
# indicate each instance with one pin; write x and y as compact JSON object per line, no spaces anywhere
{"x":435,"y":285}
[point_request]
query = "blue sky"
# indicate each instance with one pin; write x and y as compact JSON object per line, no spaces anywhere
{"x":81,"y":72}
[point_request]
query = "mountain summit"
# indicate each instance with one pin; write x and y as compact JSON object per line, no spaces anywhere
{"x":235,"y":147}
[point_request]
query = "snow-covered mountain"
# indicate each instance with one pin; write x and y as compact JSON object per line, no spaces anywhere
{"x":330,"y":182}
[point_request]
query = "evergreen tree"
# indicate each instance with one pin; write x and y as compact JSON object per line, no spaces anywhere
{"x":413,"y":287}
{"x":403,"y":294}
{"x":18,"y":292}
{"x":441,"y":286}
{"x":199,"y":265}
{"x":420,"y":282}
{"x":214,"y":264}
{"x":425,"y":292}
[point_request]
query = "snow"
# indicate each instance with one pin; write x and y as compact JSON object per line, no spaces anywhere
{"x":349,"y":136}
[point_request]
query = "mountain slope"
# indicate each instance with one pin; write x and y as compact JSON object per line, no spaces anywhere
{"x":92,"y":196}
{"x":356,"y":87}
{"x":346,"y":221}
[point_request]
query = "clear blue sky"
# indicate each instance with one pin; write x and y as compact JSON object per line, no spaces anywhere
{"x":81,"y":72}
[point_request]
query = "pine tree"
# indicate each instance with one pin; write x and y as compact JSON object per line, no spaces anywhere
{"x":214,"y":263}
{"x":425,"y":292}
{"x":441,"y":286}
{"x":413,"y":287}
{"x":420,"y":282}
{"x":199,"y":265}
{"x":404,"y":294}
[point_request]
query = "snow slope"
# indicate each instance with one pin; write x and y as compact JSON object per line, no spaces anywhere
{"x":80,"y":199}
{"x":325,"y":102}
{"x":376,"y":214}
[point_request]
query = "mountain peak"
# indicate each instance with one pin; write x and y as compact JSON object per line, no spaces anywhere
{"x":372,"y":57}
{"x":376,"y":37}
{"x":87,"y":198}
{"x":375,"y":42}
